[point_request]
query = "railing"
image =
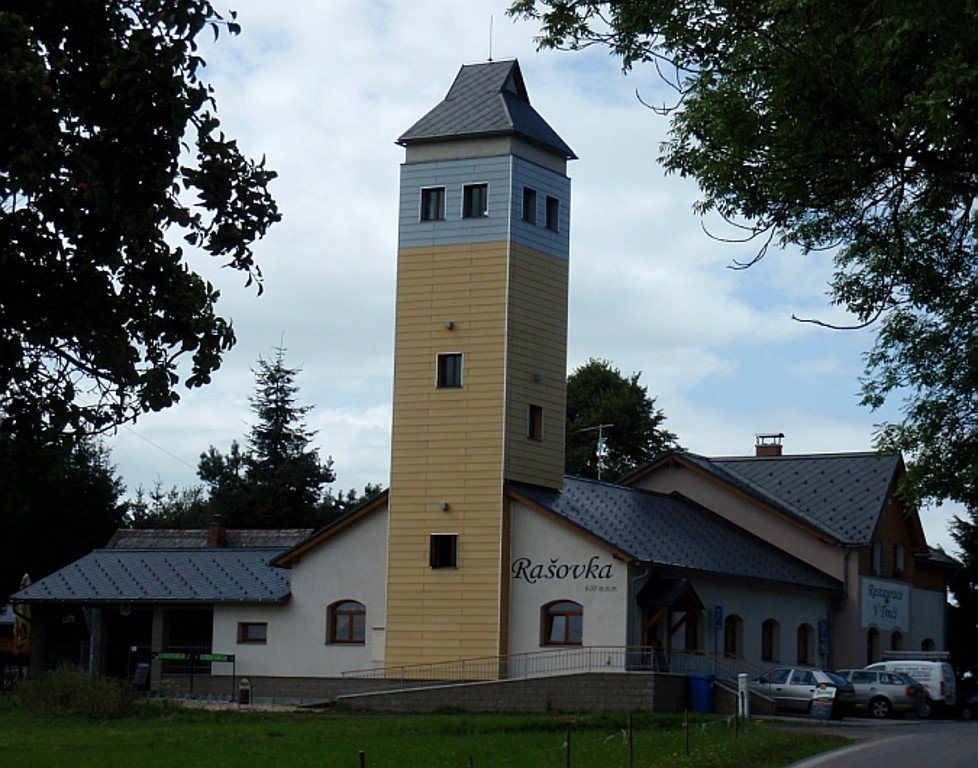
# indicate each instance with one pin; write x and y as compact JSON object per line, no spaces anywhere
{"x":560,"y":661}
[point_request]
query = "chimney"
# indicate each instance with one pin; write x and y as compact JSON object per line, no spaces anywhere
{"x":768,"y":444}
{"x":217,"y":534}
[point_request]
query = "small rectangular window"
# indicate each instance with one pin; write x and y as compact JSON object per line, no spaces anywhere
{"x":444,"y":550}
{"x":450,"y":370}
{"x":254,"y":632}
{"x":534,"y":423}
{"x":433,"y":204}
{"x":475,"y":201}
{"x":553,"y":213}
{"x":529,"y":205}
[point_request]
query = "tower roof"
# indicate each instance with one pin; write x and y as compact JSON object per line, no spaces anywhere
{"x":487,"y":99}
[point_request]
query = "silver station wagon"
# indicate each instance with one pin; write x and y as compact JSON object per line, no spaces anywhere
{"x":882,"y":694}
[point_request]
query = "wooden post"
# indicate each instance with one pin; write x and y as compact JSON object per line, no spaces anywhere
{"x":363,"y":759}
{"x":686,"y":728}
{"x":567,"y":746}
{"x":631,"y":751}
{"x":468,"y":762}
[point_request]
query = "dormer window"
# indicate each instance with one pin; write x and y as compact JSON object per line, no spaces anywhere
{"x":475,"y":201}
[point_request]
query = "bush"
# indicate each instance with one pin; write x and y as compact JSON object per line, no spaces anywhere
{"x":68,"y":690}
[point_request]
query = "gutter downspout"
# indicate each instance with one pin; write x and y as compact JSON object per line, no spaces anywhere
{"x":838,"y":607}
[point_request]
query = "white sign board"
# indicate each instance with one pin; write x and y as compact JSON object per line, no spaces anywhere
{"x":885,"y":604}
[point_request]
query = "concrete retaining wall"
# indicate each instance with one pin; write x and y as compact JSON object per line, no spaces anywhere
{"x":587,"y":692}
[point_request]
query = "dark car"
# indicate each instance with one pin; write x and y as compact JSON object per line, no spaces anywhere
{"x":967,"y":706}
{"x":793,"y":688}
{"x":882,"y":693}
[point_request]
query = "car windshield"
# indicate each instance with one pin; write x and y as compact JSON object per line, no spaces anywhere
{"x":837,"y":679}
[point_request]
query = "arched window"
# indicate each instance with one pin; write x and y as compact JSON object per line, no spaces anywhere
{"x":927,"y":645}
{"x":733,"y":636}
{"x":872,"y":645}
{"x":563,"y":623}
{"x":899,"y":560}
{"x":896,"y":641}
{"x":877,"y":557}
{"x":806,"y":644}
{"x":346,"y":623}
{"x":770,"y":640}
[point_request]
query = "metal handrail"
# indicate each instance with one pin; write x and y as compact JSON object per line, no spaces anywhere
{"x":561,"y":661}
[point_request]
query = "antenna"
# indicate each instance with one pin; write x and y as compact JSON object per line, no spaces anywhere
{"x":490,"y":37}
{"x":601,"y":450}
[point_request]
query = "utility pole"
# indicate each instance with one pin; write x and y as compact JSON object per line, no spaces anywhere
{"x":601,"y":451}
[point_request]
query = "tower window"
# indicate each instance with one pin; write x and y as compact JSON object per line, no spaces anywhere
{"x":433,"y":204}
{"x":553,"y":213}
{"x":450,"y":370}
{"x":443,"y":550}
{"x":534,"y":423}
{"x":475,"y":201}
{"x":529,"y":205}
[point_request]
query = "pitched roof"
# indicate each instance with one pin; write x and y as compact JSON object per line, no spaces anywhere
{"x":176,"y":538}
{"x":486,"y":99}
{"x":841,"y":495}
{"x":216,"y":575}
{"x":670,"y":530}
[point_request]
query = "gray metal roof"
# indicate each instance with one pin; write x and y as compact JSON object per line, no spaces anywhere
{"x":487,"y":99}
{"x":177,"y":538}
{"x":216,"y":575}
{"x":670,"y":530}
{"x":842,"y":494}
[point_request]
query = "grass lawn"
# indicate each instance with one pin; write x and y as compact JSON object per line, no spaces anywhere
{"x":190,"y":738}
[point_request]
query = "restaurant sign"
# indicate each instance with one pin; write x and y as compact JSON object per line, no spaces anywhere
{"x":885,"y":604}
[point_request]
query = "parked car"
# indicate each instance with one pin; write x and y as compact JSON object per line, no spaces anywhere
{"x":792,"y":689}
{"x":882,"y":693}
{"x":937,"y":677}
{"x":967,"y":706}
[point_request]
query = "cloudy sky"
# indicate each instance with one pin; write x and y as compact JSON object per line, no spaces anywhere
{"x":323,"y":89}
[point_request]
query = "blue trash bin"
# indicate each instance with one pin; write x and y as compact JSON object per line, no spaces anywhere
{"x":701,"y":692}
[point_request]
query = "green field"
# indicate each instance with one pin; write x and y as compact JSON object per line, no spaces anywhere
{"x":177,"y":738}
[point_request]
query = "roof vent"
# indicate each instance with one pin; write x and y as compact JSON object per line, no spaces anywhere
{"x":768,"y":444}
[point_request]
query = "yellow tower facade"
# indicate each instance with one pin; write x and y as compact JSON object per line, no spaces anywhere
{"x":479,"y":361}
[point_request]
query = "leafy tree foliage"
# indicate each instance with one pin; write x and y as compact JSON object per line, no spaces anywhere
{"x":173,"y":508}
{"x":963,"y":617}
{"x":598,"y":394}
{"x":58,"y":501}
{"x":277,"y":481}
{"x":111,"y":152}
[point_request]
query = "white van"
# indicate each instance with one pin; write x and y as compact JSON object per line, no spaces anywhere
{"x":937,"y":677}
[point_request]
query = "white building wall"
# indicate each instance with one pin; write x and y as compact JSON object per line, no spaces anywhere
{"x":754,"y":603}
{"x":549,"y":561}
{"x":349,"y":566}
{"x":928,"y":612}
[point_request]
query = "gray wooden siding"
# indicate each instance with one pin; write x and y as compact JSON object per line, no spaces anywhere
{"x":506,"y":176}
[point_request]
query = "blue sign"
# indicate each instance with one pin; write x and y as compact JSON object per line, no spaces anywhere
{"x":718,"y":617}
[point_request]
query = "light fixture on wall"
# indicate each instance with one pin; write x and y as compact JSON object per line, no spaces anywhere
{"x":443,"y":506}
{"x":449,"y":325}
{"x":538,"y":378}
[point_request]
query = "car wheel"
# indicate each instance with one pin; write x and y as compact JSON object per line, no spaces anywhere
{"x":966,"y":713}
{"x":879,"y":708}
{"x":925,"y":710}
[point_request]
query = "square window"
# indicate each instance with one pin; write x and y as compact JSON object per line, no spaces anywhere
{"x":433,"y":204}
{"x":553,"y":213}
{"x":475,"y":201}
{"x":255,"y":632}
{"x":529,"y":205}
{"x":443,"y":550}
{"x":534,"y":423}
{"x":450,"y":370}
